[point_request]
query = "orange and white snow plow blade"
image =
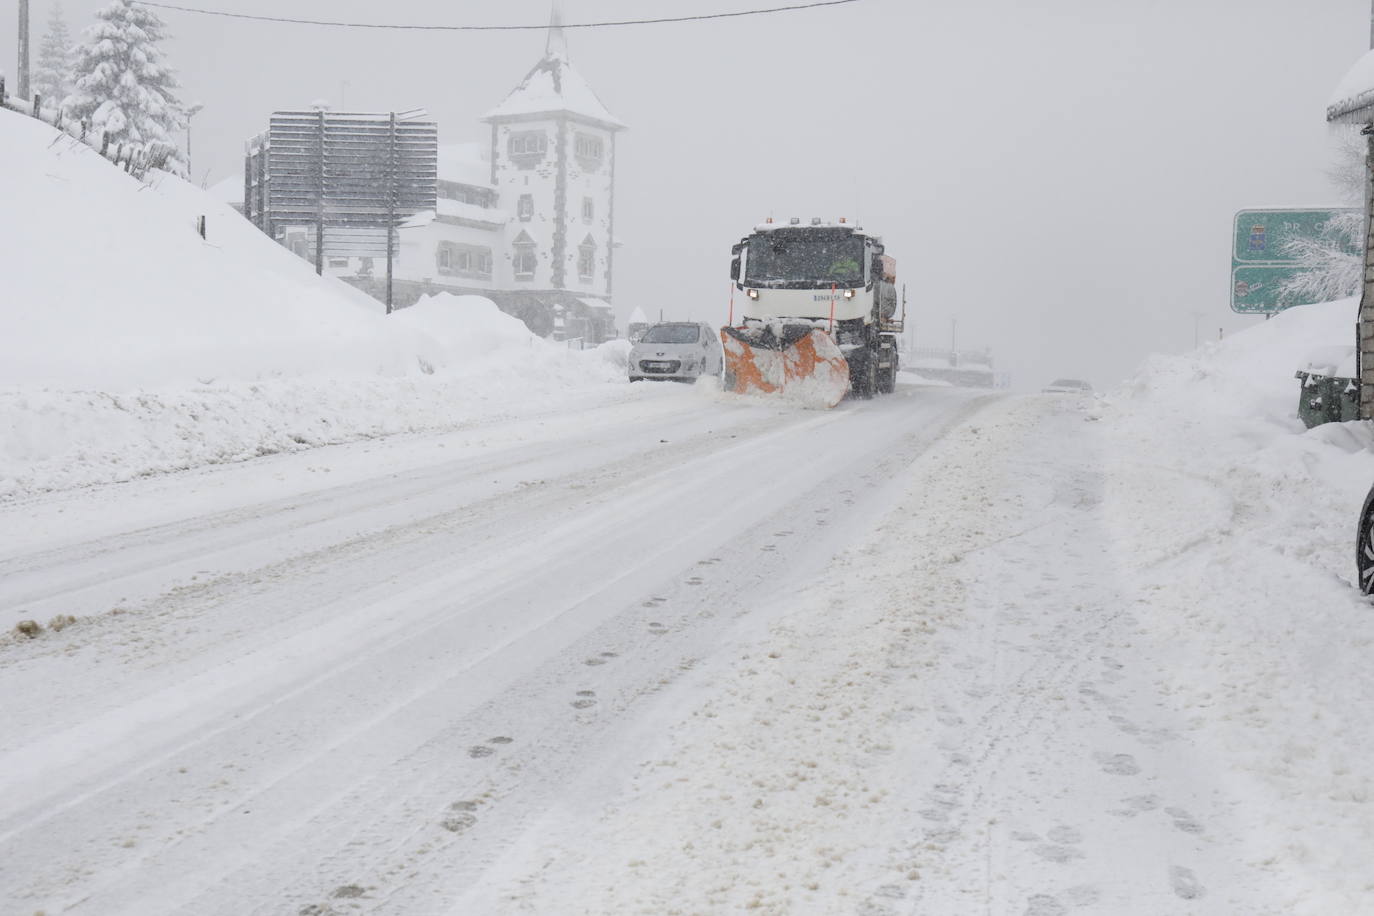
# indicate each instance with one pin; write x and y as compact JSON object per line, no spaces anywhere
{"x":796,"y":362}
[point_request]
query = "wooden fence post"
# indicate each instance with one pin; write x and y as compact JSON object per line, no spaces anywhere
{"x":105,"y":143}
{"x":2,"y":91}
{"x":37,"y":105}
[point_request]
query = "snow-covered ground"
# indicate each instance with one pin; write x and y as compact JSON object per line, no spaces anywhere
{"x":130,"y":346}
{"x":335,"y":612}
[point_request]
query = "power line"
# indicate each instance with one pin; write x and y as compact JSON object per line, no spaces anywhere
{"x":493,"y":28}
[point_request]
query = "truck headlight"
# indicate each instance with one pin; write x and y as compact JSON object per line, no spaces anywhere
{"x":849,"y":294}
{"x":752,"y":293}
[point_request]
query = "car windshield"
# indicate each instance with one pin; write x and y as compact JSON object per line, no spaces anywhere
{"x":672,"y":334}
{"x":781,"y":260}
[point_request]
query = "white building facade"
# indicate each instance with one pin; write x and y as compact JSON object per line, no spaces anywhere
{"x":529,"y":220}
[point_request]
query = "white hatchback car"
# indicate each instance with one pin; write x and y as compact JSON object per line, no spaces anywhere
{"x":680,"y":350}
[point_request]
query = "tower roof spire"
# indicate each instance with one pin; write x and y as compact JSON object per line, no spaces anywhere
{"x":557,"y":45}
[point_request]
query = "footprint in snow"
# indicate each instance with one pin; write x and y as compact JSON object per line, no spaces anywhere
{"x":1183,"y":820}
{"x":1124,"y":724}
{"x":500,"y":739}
{"x":1044,"y":905}
{"x":480,"y":750}
{"x":585,"y":699}
{"x":1066,"y":835}
{"x":1136,"y":804}
{"x":657,"y":629}
{"x":1117,"y":764}
{"x":458,"y":821}
{"x":1185,"y":883}
{"x":1061,"y":854}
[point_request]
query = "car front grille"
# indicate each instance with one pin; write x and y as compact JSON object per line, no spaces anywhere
{"x":660,"y":366}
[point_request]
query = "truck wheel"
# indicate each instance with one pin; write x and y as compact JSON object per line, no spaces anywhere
{"x":866,"y":383}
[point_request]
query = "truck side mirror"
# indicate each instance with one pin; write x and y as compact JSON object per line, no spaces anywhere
{"x":734,"y":268}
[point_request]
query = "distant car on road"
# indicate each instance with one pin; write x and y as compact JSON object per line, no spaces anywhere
{"x":1068,"y":386}
{"x":679,"y":350}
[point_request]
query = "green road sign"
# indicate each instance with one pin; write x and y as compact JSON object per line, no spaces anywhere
{"x":1260,"y":262}
{"x":1262,"y":235}
{"x":1255,"y":287}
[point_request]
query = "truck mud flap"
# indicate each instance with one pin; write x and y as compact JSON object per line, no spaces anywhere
{"x":797,"y":363}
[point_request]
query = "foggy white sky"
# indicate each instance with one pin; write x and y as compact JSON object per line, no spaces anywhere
{"x":1059,"y":176}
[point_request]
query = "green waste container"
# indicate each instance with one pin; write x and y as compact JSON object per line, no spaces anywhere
{"x":1327,"y":399}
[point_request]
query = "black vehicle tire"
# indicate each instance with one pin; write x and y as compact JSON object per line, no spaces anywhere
{"x":1364,"y":546}
{"x":887,"y":378}
{"x":866,"y":384}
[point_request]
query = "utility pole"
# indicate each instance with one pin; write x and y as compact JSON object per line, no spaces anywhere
{"x":24,"y":50}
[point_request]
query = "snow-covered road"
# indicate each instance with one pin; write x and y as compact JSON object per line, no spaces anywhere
{"x":305,"y":674}
{"x":942,"y":652}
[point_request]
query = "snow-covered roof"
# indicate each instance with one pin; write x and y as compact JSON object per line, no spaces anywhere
{"x":1353,"y":99}
{"x":229,"y":191}
{"x":595,"y":303}
{"x":457,"y":209}
{"x":555,"y":87}
{"x":465,"y":163}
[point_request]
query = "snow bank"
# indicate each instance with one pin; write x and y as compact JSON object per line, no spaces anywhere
{"x":1241,"y":526}
{"x":131,"y":346}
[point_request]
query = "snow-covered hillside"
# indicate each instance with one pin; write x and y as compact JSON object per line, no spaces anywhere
{"x":130,"y":346}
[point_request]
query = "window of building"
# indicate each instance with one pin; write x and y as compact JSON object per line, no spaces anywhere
{"x":527,"y":147}
{"x":338,"y":262}
{"x":586,"y":258}
{"x":589,"y":151}
{"x":588,"y":209}
{"x":525,"y":259}
{"x":455,"y":258}
{"x":524,"y":208}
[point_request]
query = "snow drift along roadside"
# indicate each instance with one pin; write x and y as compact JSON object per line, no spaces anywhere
{"x":131,"y":346}
{"x":1241,"y":527}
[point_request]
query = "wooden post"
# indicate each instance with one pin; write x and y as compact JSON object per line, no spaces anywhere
{"x":319,"y":207}
{"x":2,"y":90}
{"x":390,"y":210}
{"x":104,"y":143}
{"x":37,"y":105}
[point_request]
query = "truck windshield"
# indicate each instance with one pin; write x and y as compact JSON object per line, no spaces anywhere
{"x":672,"y":334}
{"x":812,"y":261}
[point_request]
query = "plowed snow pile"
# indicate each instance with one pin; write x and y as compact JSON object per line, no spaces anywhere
{"x":128,"y":345}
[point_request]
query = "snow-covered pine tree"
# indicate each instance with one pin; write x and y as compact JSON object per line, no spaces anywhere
{"x":53,"y":77}
{"x":1332,"y":263}
{"x":123,"y":88}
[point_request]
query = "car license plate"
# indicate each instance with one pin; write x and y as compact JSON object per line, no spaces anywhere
{"x":659,"y":367}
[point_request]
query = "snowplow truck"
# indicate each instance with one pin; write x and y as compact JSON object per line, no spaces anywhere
{"x":819,"y":314}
